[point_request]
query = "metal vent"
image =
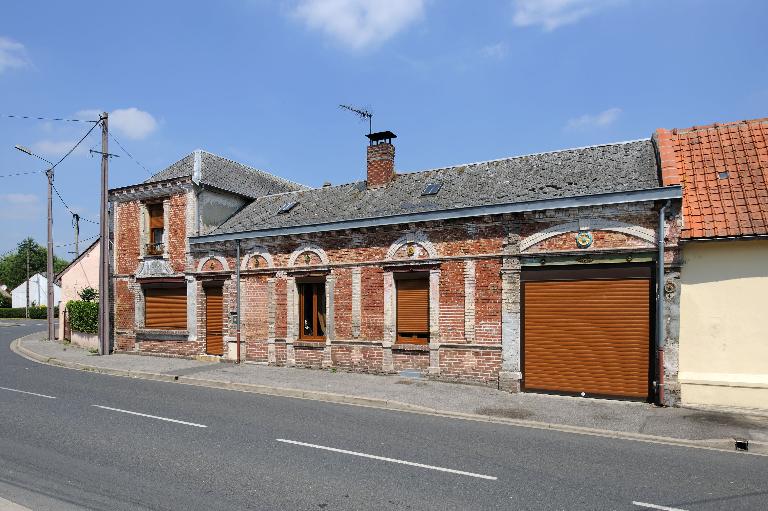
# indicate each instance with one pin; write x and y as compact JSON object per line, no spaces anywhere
{"x":285,"y":208}
{"x":432,"y":188}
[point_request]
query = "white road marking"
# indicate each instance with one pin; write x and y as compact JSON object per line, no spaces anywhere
{"x":152,"y":416}
{"x":391,"y":460}
{"x":656,"y":506}
{"x":30,"y":393}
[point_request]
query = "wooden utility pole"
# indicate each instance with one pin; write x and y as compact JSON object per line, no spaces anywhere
{"x":76,"y":223}
{"x":26,"y":309}
{"x":51,"y":335}
{"x":104,"y":241}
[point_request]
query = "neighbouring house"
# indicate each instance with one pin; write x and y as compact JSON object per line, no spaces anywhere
{"x":38,"y":292}
{"x":723,"y":169}
{"x":81,"y":273}
{"x":535,"y":273}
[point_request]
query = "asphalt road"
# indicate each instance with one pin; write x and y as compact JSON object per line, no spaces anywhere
{"x":74,"y":440}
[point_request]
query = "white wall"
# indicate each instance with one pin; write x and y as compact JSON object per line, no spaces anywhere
{"x":723,"y":326}
{"x":38,"y":292}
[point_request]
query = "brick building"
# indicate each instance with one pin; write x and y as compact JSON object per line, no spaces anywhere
{"x":535,"y":272}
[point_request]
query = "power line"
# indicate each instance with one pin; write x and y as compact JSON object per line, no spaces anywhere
{"x":68,"y":208}
{"x":70,"y":244}
{"x":22,"y":173}
{"x":75,"y":146}
{"x":35,"y":118}
{"x":129,"y":154}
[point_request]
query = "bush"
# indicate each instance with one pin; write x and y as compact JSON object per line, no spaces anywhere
{"x":88,"y":294}
{"x":83,"y":316}
{"x":34,"y":312}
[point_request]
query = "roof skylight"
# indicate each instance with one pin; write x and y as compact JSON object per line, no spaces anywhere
{"x":285,"y":208}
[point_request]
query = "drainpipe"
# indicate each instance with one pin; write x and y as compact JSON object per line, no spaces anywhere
{"x":660,"y":308}
{"x":237,"y":280}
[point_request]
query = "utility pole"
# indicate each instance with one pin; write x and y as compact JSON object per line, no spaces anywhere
{"x":76,"y":223}
{"x":51,"y":335}
{"x":104,"y":241}
{"x":26,"y":309}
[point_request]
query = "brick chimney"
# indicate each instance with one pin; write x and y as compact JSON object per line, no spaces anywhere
{"x":381,"y":159}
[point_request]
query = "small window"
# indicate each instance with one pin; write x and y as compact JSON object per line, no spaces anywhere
{"x":156,"y":229}
{"x":312,"y":311}
{"x":432,"y":188}
{"x":413,"y":310}
{"x":165,"y":308}
{"x":285,"y":208}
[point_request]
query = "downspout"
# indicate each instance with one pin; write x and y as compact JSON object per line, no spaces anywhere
{"x":237,"y":280}
{"x":660,"y":308}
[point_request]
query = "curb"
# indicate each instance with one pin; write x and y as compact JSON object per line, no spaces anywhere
{"x":727,"y":445}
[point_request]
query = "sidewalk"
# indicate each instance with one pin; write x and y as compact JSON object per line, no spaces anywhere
{"x":711,"y":428}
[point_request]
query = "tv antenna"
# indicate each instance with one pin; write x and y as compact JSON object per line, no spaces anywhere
{"x":362,"y":113}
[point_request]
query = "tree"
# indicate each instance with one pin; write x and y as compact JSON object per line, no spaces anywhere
{"x":13,"y":267}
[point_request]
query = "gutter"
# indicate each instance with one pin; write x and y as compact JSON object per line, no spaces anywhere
{"x":652,"y":194}
{"x":659,"y":383}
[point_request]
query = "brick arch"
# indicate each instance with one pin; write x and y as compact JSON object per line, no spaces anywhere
{"x":257,"y":251}
{"x":417,"y":237}
{"x":309,"y":247}
{"x":220,"y":259}
{"x":593,"y":224}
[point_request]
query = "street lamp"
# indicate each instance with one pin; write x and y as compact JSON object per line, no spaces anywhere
{"x":49,"y":174}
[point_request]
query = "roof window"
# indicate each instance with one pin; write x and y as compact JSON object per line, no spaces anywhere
{"x":285,"y":208}
{"x":432,"y":188}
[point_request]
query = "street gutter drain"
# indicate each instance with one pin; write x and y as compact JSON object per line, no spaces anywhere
{"x":742,"y":445}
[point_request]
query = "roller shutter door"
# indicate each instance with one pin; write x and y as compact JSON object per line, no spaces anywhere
{"x":590,"y":335}
{"x":214,"y":321}
{"x":165,"y":308}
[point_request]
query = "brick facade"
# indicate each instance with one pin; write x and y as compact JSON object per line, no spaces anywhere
{"x":473,"y":266}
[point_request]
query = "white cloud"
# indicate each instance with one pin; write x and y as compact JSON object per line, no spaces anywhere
{"x":12,"y":54}
{"x":131,"y":122}
{"x":19,"y":206}
{"x":551,"y":14}
{"x":494,"y":51}
{"x":600,"y":120}
{"x":359,"y":24}
{"x":57,"y":148}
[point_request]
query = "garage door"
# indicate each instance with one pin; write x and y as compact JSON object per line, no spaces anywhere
{"x":587,"y":331}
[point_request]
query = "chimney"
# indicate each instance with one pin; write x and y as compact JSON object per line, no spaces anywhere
{"x":381,"y":159}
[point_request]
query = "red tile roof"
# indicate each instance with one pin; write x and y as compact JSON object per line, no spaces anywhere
{"x":723,"y":169}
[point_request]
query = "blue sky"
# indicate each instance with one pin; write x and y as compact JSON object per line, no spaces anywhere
{"x":259,"y":81}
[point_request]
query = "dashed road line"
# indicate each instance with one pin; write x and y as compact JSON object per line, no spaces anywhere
{"x":390,"y":460}
{"x":151,"y":416}
{"x":30,"y":393}
{"x":656,"y":506}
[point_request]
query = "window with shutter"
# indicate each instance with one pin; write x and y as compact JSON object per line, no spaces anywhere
{"x":413,"y":311}
{"x":165,"y":308}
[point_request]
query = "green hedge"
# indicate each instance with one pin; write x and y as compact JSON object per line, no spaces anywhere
{"x":83,"y":316}
{"x":34,"y":312}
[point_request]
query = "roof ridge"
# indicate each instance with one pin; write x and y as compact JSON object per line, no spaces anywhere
{"x":170,"y":165}
{"x":529,"y":155}
{"x":254,"y":169}
{"x":715,"y":125}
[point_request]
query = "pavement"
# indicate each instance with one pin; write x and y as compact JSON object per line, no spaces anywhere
{"x":716,"y":428}
{"x":83,"y":440}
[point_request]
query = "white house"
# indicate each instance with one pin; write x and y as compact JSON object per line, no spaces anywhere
{"x":38,"y":292}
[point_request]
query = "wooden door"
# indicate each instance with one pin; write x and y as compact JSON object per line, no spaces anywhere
{"x":214,"y":321}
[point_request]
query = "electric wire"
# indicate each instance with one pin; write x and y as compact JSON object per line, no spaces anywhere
{"x":128,"y":154}
{"x":35,"y":118}
{"x":84,"y":219}
{"x":79,"y":241}
{"x":23,"y":173}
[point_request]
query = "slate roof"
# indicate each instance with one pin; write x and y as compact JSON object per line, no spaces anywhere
{"x":227,"y":175}
{"x":723,"y":169}
{"x":625,"y":166}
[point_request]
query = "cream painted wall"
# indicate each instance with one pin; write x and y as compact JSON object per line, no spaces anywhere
{"x":84,"y":273}
{"x":724,"y":323}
